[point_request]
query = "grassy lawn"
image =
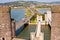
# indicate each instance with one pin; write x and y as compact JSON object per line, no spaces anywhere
{"x":28,"y":13}
{"x":33,"y":21}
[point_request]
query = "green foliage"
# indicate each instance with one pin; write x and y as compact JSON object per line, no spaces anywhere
{"x":43,"y":16}
{"x":33,"y":20}
{"x":28,"y":13}
{"x":44,"y":6}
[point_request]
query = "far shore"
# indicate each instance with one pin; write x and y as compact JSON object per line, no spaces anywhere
{"x":17,"y":8}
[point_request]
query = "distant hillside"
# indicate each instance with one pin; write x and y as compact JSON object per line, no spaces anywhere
{"x":26,"y":3}
{"x":20,"y":3}
{"x":55,"y":2}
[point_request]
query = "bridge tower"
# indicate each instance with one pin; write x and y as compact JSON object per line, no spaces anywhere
{"x":38,"y":26}
{"x":55,"y":26}
{"x":5,"y":23}
{"x":39,"y":34}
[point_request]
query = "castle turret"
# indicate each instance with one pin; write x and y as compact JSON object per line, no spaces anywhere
{"x":55,"y":26}
{"x":5,"y":23}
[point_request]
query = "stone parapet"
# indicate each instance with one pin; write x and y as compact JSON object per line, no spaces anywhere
{"x":5,"y":9}
{"x":5,"y":23}
{"x":55,"y":9}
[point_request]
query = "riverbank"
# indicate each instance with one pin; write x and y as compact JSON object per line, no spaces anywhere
{"x":18,"y":7}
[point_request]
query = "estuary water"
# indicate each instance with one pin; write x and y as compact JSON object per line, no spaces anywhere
{"x":17,"y":14}
{"x":42,"y":11}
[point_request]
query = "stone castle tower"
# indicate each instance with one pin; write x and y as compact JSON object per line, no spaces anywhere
{"x":6,"y":32}
{"x":55,"y":26}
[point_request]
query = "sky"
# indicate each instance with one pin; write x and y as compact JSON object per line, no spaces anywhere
{"x":3,"y":1}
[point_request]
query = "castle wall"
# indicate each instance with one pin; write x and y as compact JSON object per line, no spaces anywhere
{"x":55,"y":26}
{"x":5,"y":23}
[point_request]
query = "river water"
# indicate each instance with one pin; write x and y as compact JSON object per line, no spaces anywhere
{"x":18,"y":14}
{"x":25,"y":34}
{"x":43,"y":10}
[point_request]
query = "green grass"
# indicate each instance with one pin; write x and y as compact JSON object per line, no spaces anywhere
{"x":28,"y":13}
{"x":33,"y":21}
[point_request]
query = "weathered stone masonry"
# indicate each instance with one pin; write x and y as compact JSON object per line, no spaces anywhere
{"x":13,"y":28}
{"x":7,"y":26}
{"x":55,"y":26}
{"x":5,"y":23}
